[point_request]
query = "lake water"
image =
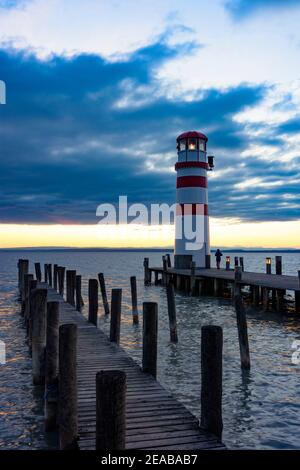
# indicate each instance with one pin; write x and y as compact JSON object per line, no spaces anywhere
{"x":261,"y":408}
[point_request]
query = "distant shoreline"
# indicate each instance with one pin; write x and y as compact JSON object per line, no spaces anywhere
{"x":143,"y":250}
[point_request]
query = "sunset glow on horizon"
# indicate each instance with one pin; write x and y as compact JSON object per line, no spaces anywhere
{"x":224,"y":233}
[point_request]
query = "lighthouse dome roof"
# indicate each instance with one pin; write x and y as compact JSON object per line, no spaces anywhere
{"x":192,"y":134}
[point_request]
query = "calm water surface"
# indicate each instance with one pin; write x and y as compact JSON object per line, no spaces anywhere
{"x":261,"y":408}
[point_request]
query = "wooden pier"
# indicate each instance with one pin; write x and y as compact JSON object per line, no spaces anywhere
{"x":73,"y":359}
{"x":154,"y":419}
{"x":263,"y":287}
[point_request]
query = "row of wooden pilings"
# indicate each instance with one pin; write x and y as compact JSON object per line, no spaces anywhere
{"x":259,"y":295}
{"x":167,"y":281}
{"x":54,"y":356}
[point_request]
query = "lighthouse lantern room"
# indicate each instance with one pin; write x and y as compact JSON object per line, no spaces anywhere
{"x":192,"y":201}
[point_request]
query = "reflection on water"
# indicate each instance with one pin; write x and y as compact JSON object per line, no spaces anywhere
{"x":261,"y":407}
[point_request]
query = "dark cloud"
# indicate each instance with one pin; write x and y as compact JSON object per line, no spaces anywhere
{"x":80,"y":131}
{"x":242,"y":8}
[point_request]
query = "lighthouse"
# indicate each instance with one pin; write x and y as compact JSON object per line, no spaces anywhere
{"x":192,"y":220}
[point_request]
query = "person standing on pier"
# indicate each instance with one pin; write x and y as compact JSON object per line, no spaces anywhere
{"x":218,"y":256}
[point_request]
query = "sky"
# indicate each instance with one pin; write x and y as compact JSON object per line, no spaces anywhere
{"x":97,"y":92}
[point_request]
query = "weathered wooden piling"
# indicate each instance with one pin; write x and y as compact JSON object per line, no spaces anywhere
{"x":168,"y":258}
{"x":78,"y":293}
{"x":103,"y":293}
{"x":110,"y":410}
{"x":55,"y":276}
{"x":93,"y":301}
{"x":211,"y":379}
{"x":135,"y":313}
{"x":49,"y":267}
{"x":25,"y":306}
{"x":297,"y":296}
{"x":237,"y":279}
{"x":164,"y":279}
{"x":150,"y":338}
{"x":46,"y":272}
{"x":23,"y":266}
{"x":61,"y":279}
{"x":242,"y":263}
{"x":172,"y":313}
{"x":265,"y":298}
{"x":207,"y":261}
{"x":256,"y":295}
{"x":38,"y":334}
{"x":242,"y":332}
{"x":67,"y":389}
{"x":147,"y":272}
{"x":218,"y":284}
{"x":278,"y":265}
{"x":28,"y":317}
{"x":236,"y":262}
{"x":51,"y":366}
{"x":115,"y":319}
{"x":70,"y":286}
{"x":38,"y":272}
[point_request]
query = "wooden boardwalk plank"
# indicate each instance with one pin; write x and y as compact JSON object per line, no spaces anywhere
{"x":154,"y":418}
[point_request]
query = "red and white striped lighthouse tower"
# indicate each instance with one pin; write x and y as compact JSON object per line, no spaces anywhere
{"x":192,"y":201}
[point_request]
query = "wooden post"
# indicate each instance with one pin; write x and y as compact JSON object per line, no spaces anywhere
{"x":28,"y":319}
{"x":242,"y":332}
{"x":164,"y":274}
{"x":38,"y":272}
{"x":156,"y":282}
{"x":24,"y":307}
{"x":279,"y":299}
{"x":19,"y":273}
{"x":135,"y":313}
{"x":297,"y":296}
{"x":71,"y":281}
{"x":55,"y":276}
{"x":103,"y":293}
{"x":193,"y":278}
{"x":50,"y":274}
{"x":211,"y":379}
{"x":115,"y":319}
{"x":61,"y":279}
{"x":93,"y":301}
{"x":256,"y":296}
{"x":265,"y":298}
{"x":110,"y":410}
{"x":38,"y":324}
{"x":172,"y":313}
{"x":147,"y":274}
{"x":67,"y":389}
{"x":150,"y":338}
{"x":78,"y":293}
{"x":51,"y":366}
{"x":23,"y":265}
{"x":237,"y":279}
{"x":278,"y":264}
{"x":242,"y":263}
{"x":217,"y":286}
{"x":207,"y":261}
{"x":46,"y":273}
{"x":168,"y":258}
{"x":236,"y":262}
